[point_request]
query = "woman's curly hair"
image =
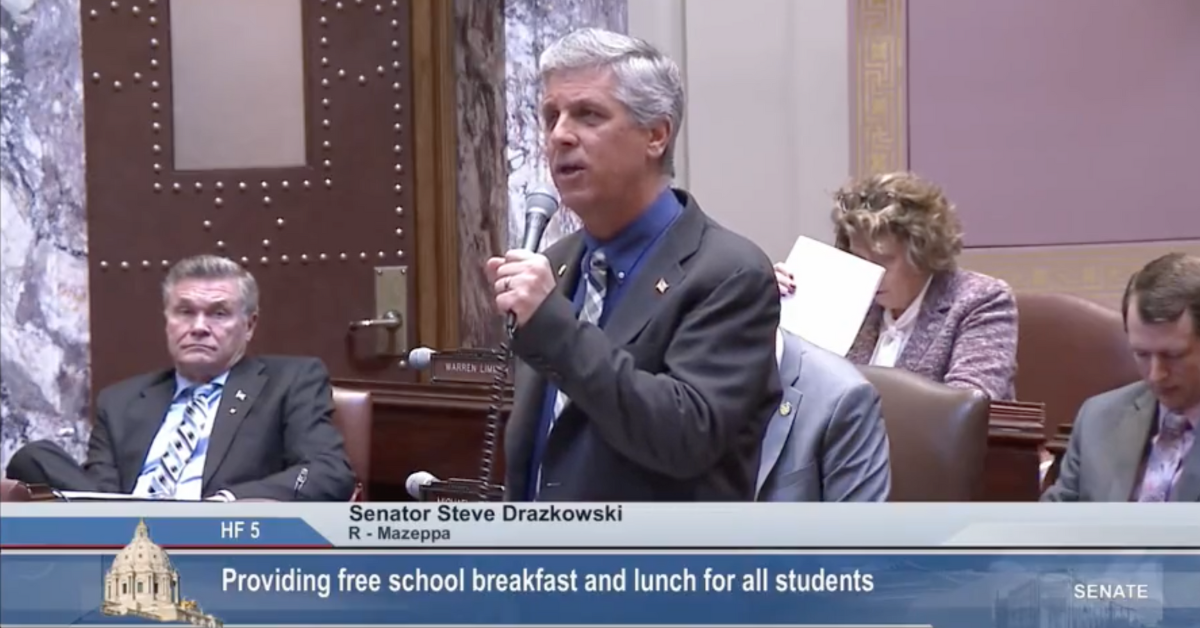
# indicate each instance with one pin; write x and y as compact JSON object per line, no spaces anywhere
{"x":903,"y":205}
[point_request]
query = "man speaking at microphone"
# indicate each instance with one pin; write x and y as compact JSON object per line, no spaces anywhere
{"x":646,"y":342}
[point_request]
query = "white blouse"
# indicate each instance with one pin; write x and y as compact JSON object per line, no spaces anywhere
{"x":895,"y":332}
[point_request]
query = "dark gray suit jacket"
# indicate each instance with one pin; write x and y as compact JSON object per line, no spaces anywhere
{"x":261,"y":440}
{"x":670,"y":399}
{"x":827,"y":441}
{"x":1108,"y":445}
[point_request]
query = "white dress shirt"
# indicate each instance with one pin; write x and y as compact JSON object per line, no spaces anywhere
{"x":895,"y":332}
{"x":778,"y":346}
{"x":189,"y":486}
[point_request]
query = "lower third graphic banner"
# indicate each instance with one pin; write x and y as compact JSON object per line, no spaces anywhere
{"x":945,"y":590}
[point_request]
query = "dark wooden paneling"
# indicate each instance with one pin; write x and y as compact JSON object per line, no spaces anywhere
{"x":314,"y":245}
{"x":435,"y":428}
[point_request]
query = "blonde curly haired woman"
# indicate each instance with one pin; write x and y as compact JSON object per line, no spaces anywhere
{"x":930,"y":317}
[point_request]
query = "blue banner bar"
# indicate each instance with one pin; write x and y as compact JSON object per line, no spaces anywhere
{"x":109,"y":532}
{"x":945,"y":591}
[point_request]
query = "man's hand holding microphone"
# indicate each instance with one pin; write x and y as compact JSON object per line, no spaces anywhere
{"x":522,"y":279}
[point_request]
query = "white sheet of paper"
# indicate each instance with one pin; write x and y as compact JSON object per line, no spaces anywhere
{"x":834,"y":291}
{"x":94,"y":496}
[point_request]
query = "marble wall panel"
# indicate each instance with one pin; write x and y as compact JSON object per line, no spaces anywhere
{"x":44,"y":372}
{"x":498,"y":66}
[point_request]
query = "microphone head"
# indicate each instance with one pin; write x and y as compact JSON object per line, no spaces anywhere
{"x":415,"y":481}
{"x":420,"y":358}
{"x":541,"y":201}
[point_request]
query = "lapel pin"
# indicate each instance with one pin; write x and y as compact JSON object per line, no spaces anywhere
{"x":241,"y":396}
{"x":233,"y":411}
{"x":662,"y":286}
{"x":785,"y":408}
{"x":562,"y":270}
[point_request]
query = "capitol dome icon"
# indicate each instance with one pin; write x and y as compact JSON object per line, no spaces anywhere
{"x":142,"y":583}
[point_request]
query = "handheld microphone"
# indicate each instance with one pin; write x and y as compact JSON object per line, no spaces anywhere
{"x":421,"y":358}
{"x":540,"y":206}
{"x":417,"y":481}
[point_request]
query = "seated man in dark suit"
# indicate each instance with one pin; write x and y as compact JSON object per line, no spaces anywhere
{"x":827,"y":441}
{"x":1138,"y":442}
{"x":219,"y":425}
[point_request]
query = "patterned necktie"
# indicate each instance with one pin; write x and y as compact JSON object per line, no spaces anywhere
{"x":1174,"y":439}
{"x":183,"y":443}
{"x":593,"y":306}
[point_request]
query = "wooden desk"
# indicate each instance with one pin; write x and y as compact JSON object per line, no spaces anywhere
{"x":1057,"y":446}
{"x":14,"y":491}
{"x":1013,"y":459}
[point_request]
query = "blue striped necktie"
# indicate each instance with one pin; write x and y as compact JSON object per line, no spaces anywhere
{"x":593,"y":307}
{"x":183,"y":443}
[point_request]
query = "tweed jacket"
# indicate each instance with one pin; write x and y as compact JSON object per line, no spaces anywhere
{"x":965,"y":336}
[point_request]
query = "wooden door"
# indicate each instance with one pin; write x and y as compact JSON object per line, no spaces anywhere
{"x":274,"y":132}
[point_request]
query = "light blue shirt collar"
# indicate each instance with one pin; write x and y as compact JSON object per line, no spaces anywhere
{"x":182,"y":383}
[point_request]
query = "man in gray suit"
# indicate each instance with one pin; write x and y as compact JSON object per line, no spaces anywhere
{"x":827,"y":440}
{"x":1137,"y":443}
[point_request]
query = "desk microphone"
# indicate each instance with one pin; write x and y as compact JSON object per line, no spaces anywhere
{"x":417,"y":481}
{"x":421,"y":358}
{"x":301,"y":478}
{"x":540,"y":205}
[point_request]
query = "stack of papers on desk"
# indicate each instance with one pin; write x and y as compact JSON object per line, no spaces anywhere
{"x":834,"y":291}
{"x":92,"y":496}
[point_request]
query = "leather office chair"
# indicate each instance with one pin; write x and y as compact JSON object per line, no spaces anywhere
{"x":352,"y":414}
{"x":938,"y":436}
{"x":14,"y":491}
{"x":1069,"y":349}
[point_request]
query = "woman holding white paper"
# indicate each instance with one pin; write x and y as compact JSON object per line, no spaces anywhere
{"x":954,"y":326}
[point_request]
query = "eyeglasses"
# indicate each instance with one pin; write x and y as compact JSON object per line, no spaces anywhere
{"x":873,"y":201}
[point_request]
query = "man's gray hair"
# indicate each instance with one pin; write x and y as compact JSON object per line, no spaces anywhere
{"x":649,"y":83}
{"x":213,"y":267}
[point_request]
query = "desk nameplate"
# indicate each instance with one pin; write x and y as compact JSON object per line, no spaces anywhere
{"x":468,"y":367}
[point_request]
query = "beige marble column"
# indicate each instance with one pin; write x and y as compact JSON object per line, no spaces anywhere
{"x":483,"y":173}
